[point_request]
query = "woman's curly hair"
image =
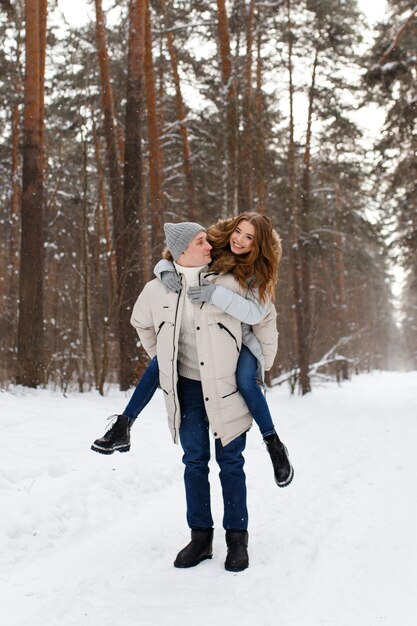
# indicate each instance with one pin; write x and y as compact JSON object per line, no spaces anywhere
{"x":259,"y":267}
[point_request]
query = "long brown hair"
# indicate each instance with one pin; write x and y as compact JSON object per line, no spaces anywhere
{"x":259,"y":267}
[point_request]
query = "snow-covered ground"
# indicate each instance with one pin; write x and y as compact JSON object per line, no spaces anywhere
{"x":90,"y":539}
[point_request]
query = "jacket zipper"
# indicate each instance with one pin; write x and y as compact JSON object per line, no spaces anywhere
{"x":159,"y":328}
{"x":173,"y":366}
{"x":223,"y":327}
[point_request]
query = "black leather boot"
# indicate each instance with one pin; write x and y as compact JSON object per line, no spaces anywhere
{"x":199,"y":548}
{"x":237,"y":550}
{"x":283,"y":470}
{"x":117,"y":438}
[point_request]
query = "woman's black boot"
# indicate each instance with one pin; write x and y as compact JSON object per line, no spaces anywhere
{"x":283,"y":470}
{"x":199,"y":548}
{"x":117,"y":438}
{"x":237,"y":550}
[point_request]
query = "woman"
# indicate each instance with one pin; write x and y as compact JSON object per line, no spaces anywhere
{"x":249,"y":248}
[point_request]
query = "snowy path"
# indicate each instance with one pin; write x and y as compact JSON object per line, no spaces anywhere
{"x":89,"y":539}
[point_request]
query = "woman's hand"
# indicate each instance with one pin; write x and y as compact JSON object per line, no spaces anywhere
{"x":171,"y":281}
{"x":201,"y":293}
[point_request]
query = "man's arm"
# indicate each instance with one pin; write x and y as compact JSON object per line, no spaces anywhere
{"x":142,"y":320}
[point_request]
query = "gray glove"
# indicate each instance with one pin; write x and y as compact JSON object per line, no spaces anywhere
{"x":171,"y":281}
{"x":201,"y":293}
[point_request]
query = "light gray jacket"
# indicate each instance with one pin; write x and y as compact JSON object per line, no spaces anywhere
{"x":249,"y":311}
{"x":157,"y":319}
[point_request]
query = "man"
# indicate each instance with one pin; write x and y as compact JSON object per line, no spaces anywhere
{"x":197,"y":347}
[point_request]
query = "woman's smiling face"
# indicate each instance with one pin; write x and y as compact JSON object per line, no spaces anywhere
{"x":242,"y":238}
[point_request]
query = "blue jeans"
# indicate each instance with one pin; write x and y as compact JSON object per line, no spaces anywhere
{"x":246,"y":382}
{"x":144,"y":391}
{"x":195,"y":441}
{"x":252,"y":393}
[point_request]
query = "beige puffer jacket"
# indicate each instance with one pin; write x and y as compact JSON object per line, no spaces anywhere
{"x":156,"y":317}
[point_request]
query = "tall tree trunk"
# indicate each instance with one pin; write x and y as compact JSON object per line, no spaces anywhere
{"x":342,"y":322}
{"x":43,"y":11}
{"x":186,"y":153}
{"x":115,"y":176}
{"x":160,"y":90}
{"x":132,"y":203}
{"x":230,"y":100}
{"x":85,"y":276}
{"x":104,"y":212}
{"x":245,"y":166}
{"x":108,"y":309}
{"x":112,"y":151}
{"x":259,"y":132}
{"x":155,"y":158}
{"x":30,"y":366}
{"x":15,"y":202}
{"x":16,"y":186}
{"x":305,"y":220}
{"x":302,"y":356}
{"x":154,"y":243}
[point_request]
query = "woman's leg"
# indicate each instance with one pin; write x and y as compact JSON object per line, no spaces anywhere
{"x":118,"y":436}
{"x":252,"y":393}
{"x":144,"y":391}
{"x":255,"y":399}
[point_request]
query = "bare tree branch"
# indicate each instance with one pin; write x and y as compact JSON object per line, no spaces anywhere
{"x":401,"y":32}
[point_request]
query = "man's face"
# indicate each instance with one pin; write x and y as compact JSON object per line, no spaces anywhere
{"x":197,"y":253}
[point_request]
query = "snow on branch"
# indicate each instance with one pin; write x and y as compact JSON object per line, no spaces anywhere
{"x":330,"y":357}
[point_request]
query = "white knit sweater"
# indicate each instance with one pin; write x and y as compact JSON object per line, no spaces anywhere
{"x":188,"y":365}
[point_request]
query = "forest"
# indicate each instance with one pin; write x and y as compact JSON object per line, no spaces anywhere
{"x":159,"y":110}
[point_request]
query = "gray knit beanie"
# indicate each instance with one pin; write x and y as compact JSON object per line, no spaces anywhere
{"x":179,"y":236}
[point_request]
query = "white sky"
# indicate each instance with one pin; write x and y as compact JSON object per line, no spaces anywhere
{"x":76,"y":11}
{"x":373,"y":9}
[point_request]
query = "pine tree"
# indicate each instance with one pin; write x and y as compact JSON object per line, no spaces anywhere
{"x":30,"y":340}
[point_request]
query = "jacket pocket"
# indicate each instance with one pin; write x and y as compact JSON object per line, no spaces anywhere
{"x":227,"y":387}
{"x":230,"y":394}
{"x":229,"y":332}
{"x":232,"y":405}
